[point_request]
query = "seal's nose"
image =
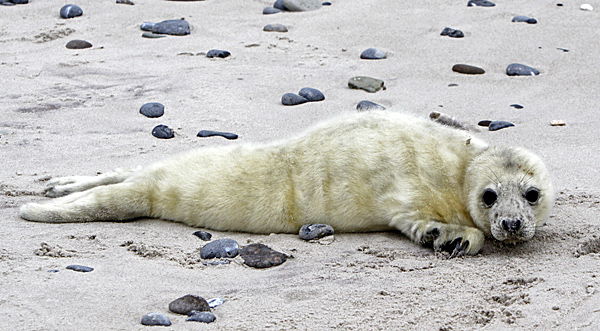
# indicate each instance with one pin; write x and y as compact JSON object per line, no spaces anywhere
{"x":511,"y":226}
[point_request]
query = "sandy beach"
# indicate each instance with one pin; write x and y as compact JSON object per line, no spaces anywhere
{"x":76,"y":112}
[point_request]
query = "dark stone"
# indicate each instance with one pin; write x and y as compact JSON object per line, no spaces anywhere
{"x":147,"y":26}
{"x":302,"y":5}
{"x":80,"y":268}
{"x":279,"y":5}
{"x":311,"y":94}
{"x":271,"y":10}
{"x":326,"y":3}
{"x":171,"y":27}
{"x":467,"y":69}
{"x":497,"y":125}
{"x":70,"y":11}
{"x":162,"y":132}
{"x":261,"y":256}
{"x":368,"y":84}
{"x":155,"y":319}
{"x":373,"y":54}
{"x":217,"y":53}
{"x":517,"y":69}
{"x":209,"y":133}
{"x":481,"y":3}
{"x":484,"y":123}
{"x":203,"y":235}
{"x":125,"y":2}
{"x":516,"y":106}
{"x":78,"y":44}
{"x":13,"y":2}
{"x":452,"y":33}
{"x":366,"y":105}
{"x":275,"y":28}
{"x":220,"y":248}
{"x":524,"y":19}
{"x":315,"y":231}
{"x":203,"y":316}
{"x":452,"y":85}
{"x":188,"y":303}
{"x":563,"y":49}
{"x":152,"y":109}
{"x":291,"y":99}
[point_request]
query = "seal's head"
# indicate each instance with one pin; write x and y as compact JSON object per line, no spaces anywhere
{"x":509,"y":193}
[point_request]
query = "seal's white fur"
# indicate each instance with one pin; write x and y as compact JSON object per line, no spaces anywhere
{"x":365,"y":172}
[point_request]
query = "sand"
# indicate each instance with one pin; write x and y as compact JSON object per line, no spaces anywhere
{"x":67,"y":112}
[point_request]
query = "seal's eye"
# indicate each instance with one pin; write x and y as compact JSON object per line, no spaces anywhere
{"x":532,"y":195}
{"x":489,"y":197}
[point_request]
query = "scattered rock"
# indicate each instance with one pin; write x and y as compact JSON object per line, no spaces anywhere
{"x":525,"y":19}
{"x":70,"y":11}
{"x":315,"y":231}
{"x":215,"y":302}
{"x":155,"y":319}
{"x":203,"y":235}
{"x":220,"y":248}
{"x":302,"y":5}
{"x":292,"y":99}
{"x":177,"y":27}
{"x":188,"y":303}
{"x":152,"y":109}
{"x":80,"y":268}
{"x":217,"y":53}
{"x":163,"y":132}
{"x":78,"y":44}
{"x":271,"y":10}
{"x":563,"y":49}
{"x":261,"y":256}
{"x":586,"y":7}
{"x":558,"y":123}
{"x":279,"y":5}
{"x":516,"y":106}
{"x":484,"y":123}
{"x":210,"y":133}
{"x":326,"y":3}
{"x":452,"y":85}
{"x":203,"y":316}
{"x":373,"y":54}
{"x":125,"y":2}
{"x":367,"y":105}
{"x":517,"y":69}
{"x":497,"y":125}
{"x":368,"y":84}
{"x":467,"y":69}
{"x":311,"y":94}
{"x":13,"y":2}
{"x":481,"y":3}
{"x":275,"y":28}
{"x":452,"y":33}
{"x":52,"y":251}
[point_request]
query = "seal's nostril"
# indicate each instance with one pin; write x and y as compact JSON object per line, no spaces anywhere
{"x":511,"y":225}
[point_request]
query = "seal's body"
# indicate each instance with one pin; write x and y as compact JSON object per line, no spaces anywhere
{"x":366,"y":172}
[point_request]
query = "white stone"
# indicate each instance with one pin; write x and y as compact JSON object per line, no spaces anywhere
{"x":586,"y":7}
{"x":302,"y":5}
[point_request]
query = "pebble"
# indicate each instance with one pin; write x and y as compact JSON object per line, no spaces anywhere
{"x":326,"y":3}
{"x":481,"y":3}
{"x":152,"y":35}
{"x":125,"y":2}
{"x":279,"y":5}
{"x":275,"y":28}
{"x":80,"y":268}
{"x":163,"y":132}
{"x":220,"y":248}
{"x":70,"y":11}
{"x":188,"y":303}
{"x":517,"y":106}
{"x":292,"y":99}
{"x":517,"y":69}
{"x":315,"y":231}
{"x":302,"y":5}
{"x":467,"y":69}
{"x":13,"y":2}
{"x":271,"y":10}
{"x":311,"y":94}
{"x":484,"y":123}
{"x":586,"y":7}
{"x":368,"y":84}
{"x":372,"y":54}
{"x":152,"y":109}
{"x":78,"y":44}
{"x":203,"y":316}
{"x":210,"y":133}
{"x":563,"y":49}
{"x":155,"y":319}
{"x":171,"y":27}
{"x":367,"y":105}
{"x":217,"y":53}
{"x":261,"y":256}
{"x":452,"y":33}
{"x":524,"y":19}
{"x":215,"y":302}
{"x":497,"y":125}
{"x":203,"y":235}
{"x":558,"y":123}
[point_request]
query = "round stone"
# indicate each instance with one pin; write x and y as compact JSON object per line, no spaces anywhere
{"x":220,"y":248}
{"x":302,"y":5}
{"x":171,"y":27}
{"x":372,"y":54}
{"x":517,"y":69}
{"x":271,"y":10}
{"x":147,"y":26}
{"x":311,"y":94}
{"x":315,"y":231}
{"x":368,"y":84}
{"x":80,"y":268}
{"x":163,"y":132}
{"x":467,"y":69}
{"x":484,"y":123}
{"x":586,"y":7}
{"x":152,"y":109}
{"x":210,"y":133}
{"x":215,"y":302}
{"x":203,"y":235}
{"x":275,"y":28}
{"x":516,"y":106}
{"x":70,"y":11}
{"x":187,"y":304}
{"x":452,"y":33}
{"x":217,"y":53}
{"x":497,"y":125}
{"x":524,"y":19}
{"x":292,"y":99}
{"x":367,"y":105}
{"x":78,"y":44}
{"x":279,"y":5}
{"x":481,"y":3}
{"x":261,"y":256}
{"x":203,"y":316}
{"x":155,"y":319}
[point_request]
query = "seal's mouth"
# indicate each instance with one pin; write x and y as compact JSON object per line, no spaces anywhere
{"x":512,"y":237}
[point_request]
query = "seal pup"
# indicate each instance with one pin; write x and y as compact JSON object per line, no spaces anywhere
{"x":366,"y":172}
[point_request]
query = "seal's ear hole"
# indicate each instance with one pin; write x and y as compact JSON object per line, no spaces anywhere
{"x":532,"y":195}
{"x":489,"y":197}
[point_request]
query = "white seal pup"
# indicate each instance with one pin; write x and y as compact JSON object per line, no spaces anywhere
{"x":366,"y":172}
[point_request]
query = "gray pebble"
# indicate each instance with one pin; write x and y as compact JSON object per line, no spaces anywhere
{"x":210,"y":133}
{"x":302,"y":5}
{"x":80,"y":268}
{"x":467,"y":69}
{"x":279,"y":5}
{"x":452,"y":33}
{"x":367,"y":105}
{"x":152,"y":109}
{"x":315,"y":231}
{"x":163,"y":132}
{"x":326,"y":3}
{"x":481,"y":3}
{"x":13,"y":2}
{"x":373,"y":54}
{"x":203,"y":316}
{"x":203,"y":235}
{"x":78,"y":44}
{"x":70,"y":11}
{"x":497,"y":125}
{"x":147,"y":26}
{"x":524,"y":19}
{"x":271,"y":10}
{"x":516,"y":106}
{"x":484,"y":123}
{"x":217,"y":53}
{"x":261,"y":256}
{"x":292,"y":99}
{"x":219,"y":249}
{"x":215,"y":302}
{"x":275,"y":28}
{"x":517,"y":69}
{"x":187,"y":304}
{"x":368,"y":84}
{"x":171,"y":27}
{"x":155,"y":319}
{"x":311,"y":94}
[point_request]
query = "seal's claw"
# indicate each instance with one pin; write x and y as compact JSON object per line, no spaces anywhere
{"x":460,"y":249}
